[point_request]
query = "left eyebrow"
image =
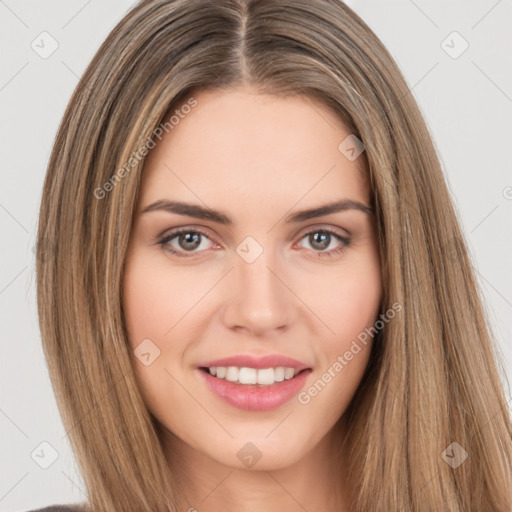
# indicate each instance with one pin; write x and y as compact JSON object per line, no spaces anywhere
{"x":338,"y":206}
{"x":195,"y":210}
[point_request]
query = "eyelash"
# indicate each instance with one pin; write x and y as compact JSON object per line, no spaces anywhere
{"x":163,"y":241}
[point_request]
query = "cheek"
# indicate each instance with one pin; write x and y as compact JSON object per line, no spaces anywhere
{"x":155,"y":299}
{"x":142,"y":305}
{"x":348,"y":302}
{"x":152,"y":306}
{"x":350,"y":310}
{"x":349,"y":306}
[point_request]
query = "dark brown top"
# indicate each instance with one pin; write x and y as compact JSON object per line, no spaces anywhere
{"x":61,"y":508}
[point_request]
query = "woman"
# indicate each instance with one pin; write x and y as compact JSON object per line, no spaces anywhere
{"x":260,"y":295}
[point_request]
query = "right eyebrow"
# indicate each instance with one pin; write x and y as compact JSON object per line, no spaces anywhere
{"x":191,"y":210}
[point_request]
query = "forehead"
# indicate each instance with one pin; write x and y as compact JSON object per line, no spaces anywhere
{"x":239,"y":144}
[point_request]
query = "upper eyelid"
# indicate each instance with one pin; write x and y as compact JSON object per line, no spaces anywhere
{"x":176,"y":231}
{"x":344,"y":233}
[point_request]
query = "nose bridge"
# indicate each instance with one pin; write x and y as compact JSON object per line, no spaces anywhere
{"x":258,"y":299}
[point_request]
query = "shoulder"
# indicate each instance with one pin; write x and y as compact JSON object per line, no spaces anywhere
{"x":76,"y":507}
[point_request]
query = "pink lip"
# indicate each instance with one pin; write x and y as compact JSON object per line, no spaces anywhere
{"x":249,"y":361}
{"x":255,"y":397}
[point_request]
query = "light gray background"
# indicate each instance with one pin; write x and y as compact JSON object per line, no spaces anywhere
{"x":467,"y":103}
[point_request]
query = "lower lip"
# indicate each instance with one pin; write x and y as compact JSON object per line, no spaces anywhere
{"x":252,"y":397}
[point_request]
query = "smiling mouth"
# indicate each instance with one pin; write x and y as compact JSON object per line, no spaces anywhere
{"x":246,"y":376}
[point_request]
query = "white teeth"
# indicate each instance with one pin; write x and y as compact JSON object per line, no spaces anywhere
{"x":245,"y":375}
{"x":288,"y":373}
{"x":248,"y":376}
{"x":232,"y":373}
{"x":265,"y":376}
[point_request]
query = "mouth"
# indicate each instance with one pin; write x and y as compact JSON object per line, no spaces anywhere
{"x":253,"y":389}
{"x":255,"y":377}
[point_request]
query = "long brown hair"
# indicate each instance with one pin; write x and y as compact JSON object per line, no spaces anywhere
{"x":432,"y":379}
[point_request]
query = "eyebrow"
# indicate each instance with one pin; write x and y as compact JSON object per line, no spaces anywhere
{"x":200,"y":212}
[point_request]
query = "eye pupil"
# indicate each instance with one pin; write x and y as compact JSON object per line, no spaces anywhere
{"x":320,"y":237}
{"x":189,"y":241}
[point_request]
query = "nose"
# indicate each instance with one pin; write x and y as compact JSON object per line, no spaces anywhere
{"x":258,"y":298}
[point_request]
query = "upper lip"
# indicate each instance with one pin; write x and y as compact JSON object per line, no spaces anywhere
{"x":259,"y":362}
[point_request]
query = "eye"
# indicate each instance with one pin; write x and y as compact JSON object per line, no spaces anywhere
{"x":187,"y":240}
{"x":320,"y":239}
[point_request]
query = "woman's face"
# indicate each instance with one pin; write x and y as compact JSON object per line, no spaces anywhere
{"x":251,"y":278}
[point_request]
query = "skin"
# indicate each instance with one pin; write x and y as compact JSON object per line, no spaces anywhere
{"x":257,"y":158}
